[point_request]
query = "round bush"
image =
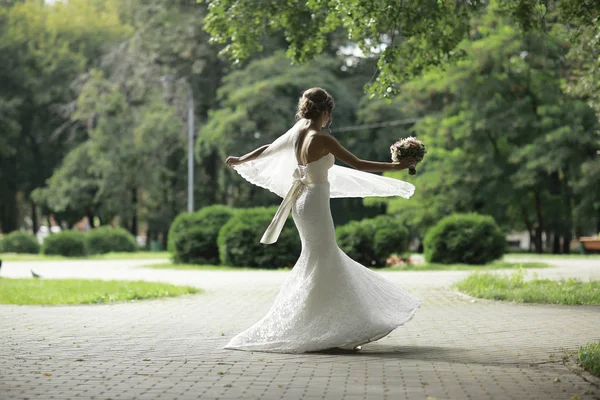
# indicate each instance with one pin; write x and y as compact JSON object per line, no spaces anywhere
{"x":20,"y":242}
{"x":356,"y":240}
{"x":370,"y":241}
{"x":65,"y":243}
{"x":106,"y":239}
{"x":193,"y":236}
{"x":465,"y":239}
{"x":390,"y":238}
{"x":239,"y":241}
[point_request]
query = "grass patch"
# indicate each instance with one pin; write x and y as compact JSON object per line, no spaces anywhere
{"x":589,"y":358}
{"x":139,"y":255}
{"x":467,"y":267}
{"x":515,"y":288}
{"x":553,"y":256}
{"x":208,"y":267}
{"x":417,"y":267}
{"x":84,"y":291}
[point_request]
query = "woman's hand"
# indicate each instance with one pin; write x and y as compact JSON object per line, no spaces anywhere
{"x":408,"y":162}
{"x":232,"y":161}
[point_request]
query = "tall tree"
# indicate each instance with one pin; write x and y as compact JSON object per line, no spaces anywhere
{"x":503,"y":137}
{"x":43,"y":49}
{"x":407,"y":37}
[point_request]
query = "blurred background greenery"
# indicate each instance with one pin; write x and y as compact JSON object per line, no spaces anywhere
{"x":94,"y":99}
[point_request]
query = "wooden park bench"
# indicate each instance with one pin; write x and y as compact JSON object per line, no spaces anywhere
{"x":590,"y":244}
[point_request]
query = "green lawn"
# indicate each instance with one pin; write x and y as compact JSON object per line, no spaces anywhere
{"x":515,"y":288}
{"x":139,"y":255}
{"x":555,"y":256}
{"x":589,"y":358}
{"x":421,"y":267}
{"x":84,"y":291}
{"x":208,"y":267}
{"x":467,"y":267}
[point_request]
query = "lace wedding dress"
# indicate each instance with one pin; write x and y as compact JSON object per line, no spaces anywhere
{"x":328,"y":300}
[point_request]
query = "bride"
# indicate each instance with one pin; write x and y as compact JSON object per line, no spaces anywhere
{"x":328,"y":300}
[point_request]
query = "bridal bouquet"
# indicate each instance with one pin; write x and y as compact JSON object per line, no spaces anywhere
{"x":408,"y":147}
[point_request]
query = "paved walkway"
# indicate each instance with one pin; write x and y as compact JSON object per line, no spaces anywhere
{"x":454,"y":348}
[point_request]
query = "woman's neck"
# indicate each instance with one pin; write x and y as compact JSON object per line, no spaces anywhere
{"x":316,"y":124}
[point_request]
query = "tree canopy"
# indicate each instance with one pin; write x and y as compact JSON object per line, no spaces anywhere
{"x":407,"y":37}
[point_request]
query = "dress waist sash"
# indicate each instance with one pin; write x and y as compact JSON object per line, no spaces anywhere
{"x":275,"y":227}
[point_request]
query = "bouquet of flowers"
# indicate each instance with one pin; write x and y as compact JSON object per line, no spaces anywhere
{"x":408,"y":147}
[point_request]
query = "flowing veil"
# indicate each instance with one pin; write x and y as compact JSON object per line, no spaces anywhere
{"x":274,"y":170}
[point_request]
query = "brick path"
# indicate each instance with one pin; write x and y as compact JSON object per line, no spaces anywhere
{"x":454,"y":348}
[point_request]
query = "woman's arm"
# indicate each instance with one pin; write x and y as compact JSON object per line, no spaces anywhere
{"x":231,"y":160}
{"x":349,"y":158}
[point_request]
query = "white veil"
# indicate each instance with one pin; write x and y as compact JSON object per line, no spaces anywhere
{"x":274,"y":170}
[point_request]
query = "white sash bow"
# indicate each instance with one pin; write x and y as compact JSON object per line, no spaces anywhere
{"x":275,"y":227}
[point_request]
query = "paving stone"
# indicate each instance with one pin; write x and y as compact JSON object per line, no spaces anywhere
{"x":172,"y":348}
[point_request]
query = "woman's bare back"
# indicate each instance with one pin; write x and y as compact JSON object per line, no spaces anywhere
{"x":310,"y":146}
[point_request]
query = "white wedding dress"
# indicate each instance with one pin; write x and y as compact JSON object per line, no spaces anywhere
{"x":328,"y":300}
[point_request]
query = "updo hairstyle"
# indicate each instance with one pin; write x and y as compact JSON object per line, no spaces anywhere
{"x":313,"y":103}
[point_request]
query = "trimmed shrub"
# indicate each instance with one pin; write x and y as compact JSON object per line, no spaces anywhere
{"x":390,"y":238}
{"x":371,"y":241}
{"x":193,"y":236}
{"x":65,"y":243}
{"x":465,"y":239}
{"x":20,"y":242}
{"x":107,"y":239}
{"x":239,"y":241}
{"x":356,"y":240}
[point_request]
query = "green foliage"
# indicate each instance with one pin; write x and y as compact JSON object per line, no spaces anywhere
{"x":43,"y":50}
{"x":390,"y":237}
{"x":407,"y":37}
{"x":239,"y":241}
{"x":257,"y":105}
{"x":107,"y":240}
{"x":130,"y":109}
{"x":464,"y":238}
{"x":83,"y":291}
{"x":65,"y":243}
{"x":193,"y":237}
{"x":494,"y":265}
{"x":589,"y":358}
{"x":356,"y":240}
{"x":19,"y":242}
{"x":504,"y":138}
{"x":371,"y":241}
{"x":515,"y":288}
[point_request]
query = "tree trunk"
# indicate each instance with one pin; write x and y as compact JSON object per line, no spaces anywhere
{"x":134,"y":220}
{"x":528,"y":225}
{"x":568,"y":215}
{"x":90,"y":216}
{"x":555,"y":243}
{"x":8,"y":213}
{"x":540,"y":224}
{"x":34,"y":218}
{"x":567,"y":242}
